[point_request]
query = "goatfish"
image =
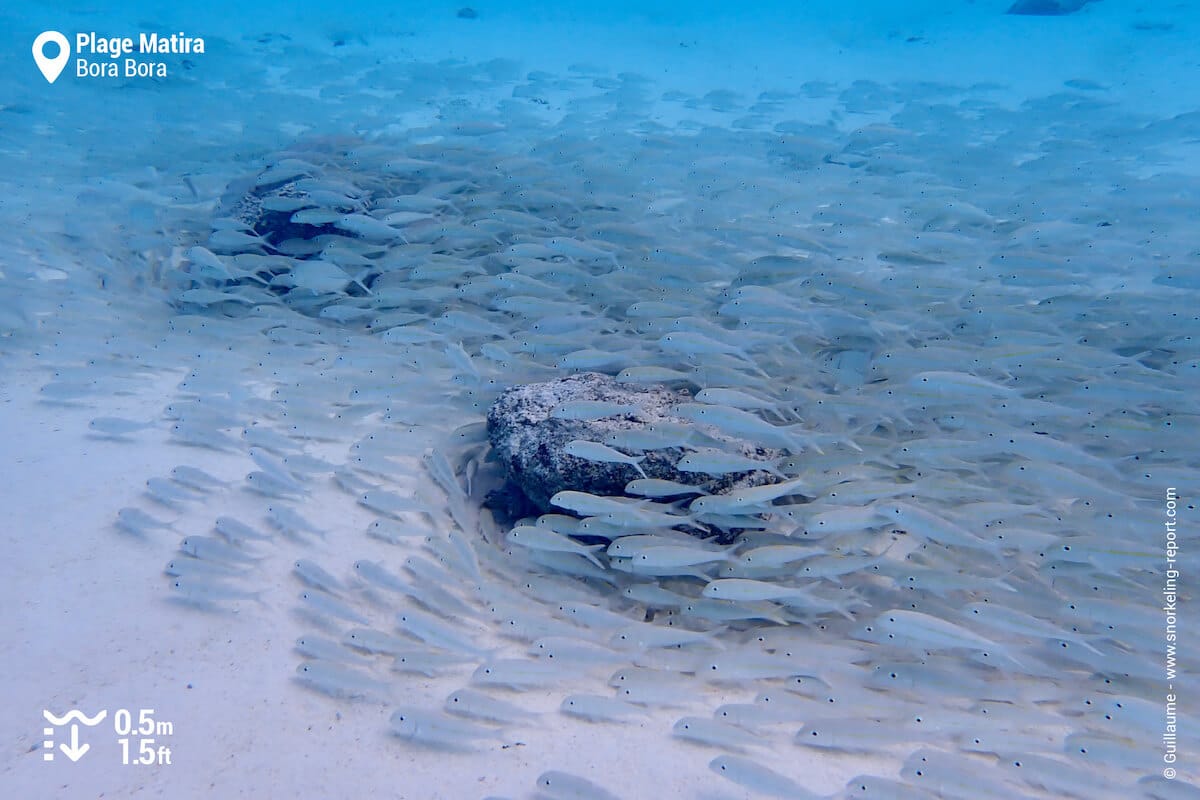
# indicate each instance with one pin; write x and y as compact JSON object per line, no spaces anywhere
{"x":438,"y":730}
{"x":913,"y":628}
{"x":594,"y":451}
{"x":340,"y":680}
{"x":758,"y":778}
{"x":540,"y":538}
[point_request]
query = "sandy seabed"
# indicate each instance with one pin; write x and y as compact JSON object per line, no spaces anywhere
{"x":106,"y":184}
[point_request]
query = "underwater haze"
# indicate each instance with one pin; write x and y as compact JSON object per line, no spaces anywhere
{"x":921,"y":281}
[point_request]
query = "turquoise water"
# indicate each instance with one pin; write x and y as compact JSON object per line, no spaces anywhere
{"x":941,"y":257}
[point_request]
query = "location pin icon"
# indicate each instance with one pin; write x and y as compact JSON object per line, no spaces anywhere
{"x":51,"y":67}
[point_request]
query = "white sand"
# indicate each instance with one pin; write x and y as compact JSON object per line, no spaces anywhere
{"x":86,"y":621}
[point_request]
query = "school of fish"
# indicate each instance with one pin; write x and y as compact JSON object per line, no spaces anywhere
{"x":970,"y":328}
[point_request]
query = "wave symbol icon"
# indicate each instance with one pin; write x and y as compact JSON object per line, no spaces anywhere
{"x":74,"y":714}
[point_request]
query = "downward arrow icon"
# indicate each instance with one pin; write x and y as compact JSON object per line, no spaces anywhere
{"x":76,"y":750}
